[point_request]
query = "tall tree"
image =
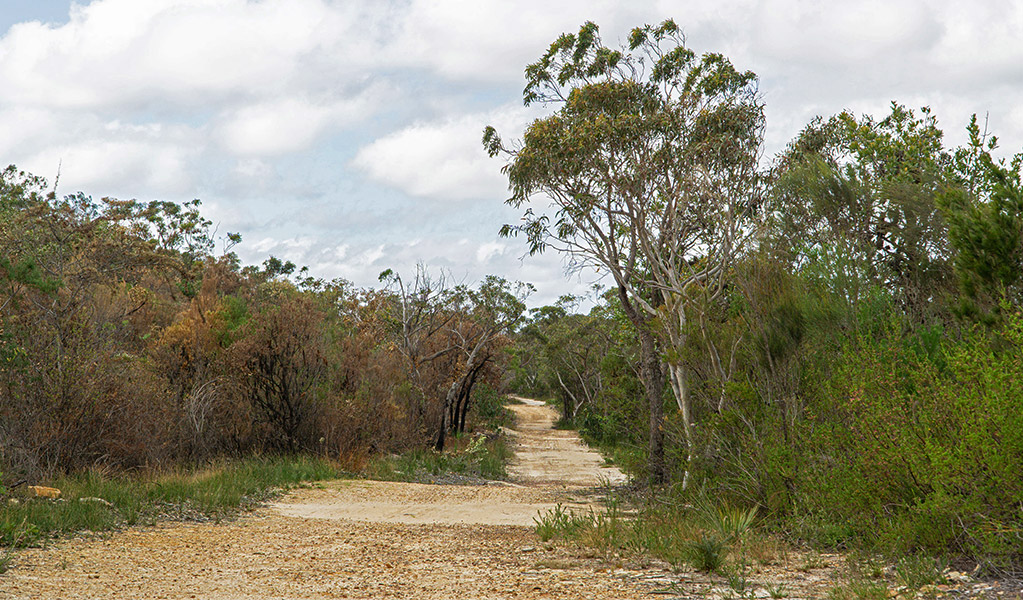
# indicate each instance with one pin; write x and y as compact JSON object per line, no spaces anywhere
{"x":650,"y":166}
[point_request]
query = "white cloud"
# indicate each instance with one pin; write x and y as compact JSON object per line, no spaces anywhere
{"x":362,"y":263}
{"x":289,"y":124}
{"x":856,"y":35}
{"x":325,"y":122}
{"x":445,"y":159}
{"x":253,"y":168}
{"x":174,"y":52}
{"x":489,"y":250}
{"x":111,"y":158}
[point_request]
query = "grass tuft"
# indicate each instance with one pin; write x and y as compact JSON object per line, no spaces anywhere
{"x":707,"y":552}
{"x":474,"y":460}
{"x":915,"y":572}
{"x":95,"y":501}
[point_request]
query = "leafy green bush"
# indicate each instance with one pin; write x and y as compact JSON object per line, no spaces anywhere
{"x":488,"y":407}
{"x":913,"y":453}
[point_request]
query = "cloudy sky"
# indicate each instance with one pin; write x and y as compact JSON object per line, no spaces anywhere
{"x":345,"y":134}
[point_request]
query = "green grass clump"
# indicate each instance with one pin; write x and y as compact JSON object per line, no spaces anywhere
{"x":560,"y":522}
{"x":95,"y":501}
{"x":915,"y":571}
{"x":478,"y":458}
{"x":859,"y":590}
{"x":707,"y":552}
{"x":702,"y":538}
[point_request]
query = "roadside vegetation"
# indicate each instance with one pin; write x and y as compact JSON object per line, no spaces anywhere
{"x":142,"y":365}
{"x":733,"y":552}
{"x":473,"y":460}
{"x":831,"y":337}
{"x":827,"y":342}
{"x":97,"y":500}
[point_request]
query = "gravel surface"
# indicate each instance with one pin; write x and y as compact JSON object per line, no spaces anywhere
{"x":374,"y":539}
{"x":359,"y":539}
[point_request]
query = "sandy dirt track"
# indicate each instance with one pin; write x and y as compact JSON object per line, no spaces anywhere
{"x":370,"y":540}
{"x":550,"y":467}
{"x":361,"y":539}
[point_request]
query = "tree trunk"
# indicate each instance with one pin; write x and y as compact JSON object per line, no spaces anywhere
{"x":445,"y":415}
{"x":467,"y":395}
{"x":448,"y":415}
{"x":442,"y":431}
{"x":681,"y":391}
{"x":569,"y":402}
{"x":653,"y":383}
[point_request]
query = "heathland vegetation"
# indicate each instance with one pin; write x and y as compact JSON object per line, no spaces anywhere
{"x":832,"y":335}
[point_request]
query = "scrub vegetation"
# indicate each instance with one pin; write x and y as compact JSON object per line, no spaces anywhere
{"x":832,"y":336}
{"x":827,"y":342}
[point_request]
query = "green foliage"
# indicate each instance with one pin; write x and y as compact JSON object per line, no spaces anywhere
{"x":232,"y":316}
{"x":913,"y":456}
{"x":650,"y":168}
{"x":124,"y":341}
{"x":26,"y":272}
{"x":846,"y":398}
{"x":488,"y":408}
{"x":985,"y":217}
{"x":855,"y":200}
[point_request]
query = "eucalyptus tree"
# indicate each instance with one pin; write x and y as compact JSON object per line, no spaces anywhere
{"x":649,"y":164}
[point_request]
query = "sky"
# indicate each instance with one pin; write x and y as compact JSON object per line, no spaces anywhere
{"x":344,"y":135}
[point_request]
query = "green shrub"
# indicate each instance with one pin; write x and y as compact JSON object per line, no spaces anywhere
{"x":488,"y":407}
{"x":912,"y":453}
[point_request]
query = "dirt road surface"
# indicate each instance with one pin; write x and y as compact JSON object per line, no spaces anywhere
{"x":362,"y":539}
{"x":373,"y":540}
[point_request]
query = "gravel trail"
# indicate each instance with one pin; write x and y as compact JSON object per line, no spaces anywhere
{"x":361,"y":539}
